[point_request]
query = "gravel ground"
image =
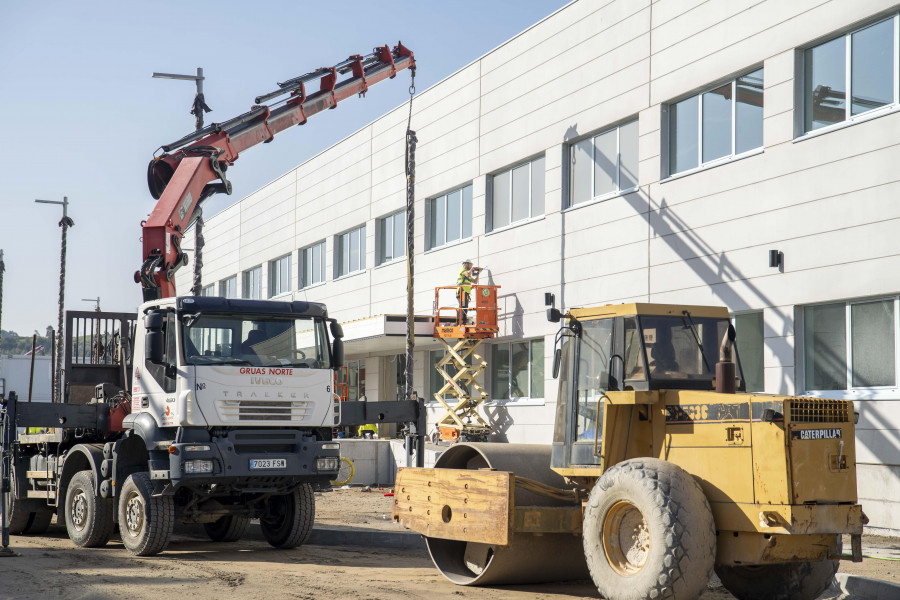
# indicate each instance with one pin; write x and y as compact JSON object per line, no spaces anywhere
{"x":50,"y":566}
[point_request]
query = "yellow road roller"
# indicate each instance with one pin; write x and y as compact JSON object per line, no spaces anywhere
{"x":662,"y":470}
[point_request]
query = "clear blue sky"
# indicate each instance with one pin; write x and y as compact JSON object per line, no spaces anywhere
{"x":81,"y":115}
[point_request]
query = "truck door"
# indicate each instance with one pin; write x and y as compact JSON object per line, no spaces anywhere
{"x":160,"y":378}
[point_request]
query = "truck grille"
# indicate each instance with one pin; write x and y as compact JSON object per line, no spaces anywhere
{"x":290,"y":411}
{"x":816,"y":410}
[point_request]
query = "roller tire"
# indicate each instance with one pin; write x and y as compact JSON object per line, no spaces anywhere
{"x":89,"y":518}
{"x":229,"y":528}
{"x":289,"y":518}
{"x":789,"y":581}
{"x":661,"y":509}
{"x":146,"y":522}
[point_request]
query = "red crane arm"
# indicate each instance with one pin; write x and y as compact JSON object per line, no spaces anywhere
{"x":192,"y":169}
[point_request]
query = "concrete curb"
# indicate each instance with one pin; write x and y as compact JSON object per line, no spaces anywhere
{"x":863,"y":588}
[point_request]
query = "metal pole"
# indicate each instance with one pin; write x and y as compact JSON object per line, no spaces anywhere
{"x":65,"y":223}
{"x":31,"y":377}
{"x":7,"y":433}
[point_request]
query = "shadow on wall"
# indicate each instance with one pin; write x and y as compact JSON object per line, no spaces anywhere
{"x":713,"y":267}
{"x":500,"y":420}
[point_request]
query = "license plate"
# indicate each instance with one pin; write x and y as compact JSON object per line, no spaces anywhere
{"x":268,"y":463}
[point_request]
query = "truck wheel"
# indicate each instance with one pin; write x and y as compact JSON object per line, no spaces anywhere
{"x":288,"y":519}
{"x":648,"y":532}
{"x":41,"y":522}
{"x":146,"y":522}
{"x":789,"y":581}
{"x":89,"y":518}
{"x":230,"y":528}
{"x":19,"y":519}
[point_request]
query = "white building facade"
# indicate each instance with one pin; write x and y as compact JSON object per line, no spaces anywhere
{"x":731,"y":152}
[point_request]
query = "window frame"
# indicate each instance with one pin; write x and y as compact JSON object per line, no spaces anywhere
{"x":850,"y":118}
{"x":619,"y":191}
{"x":223,"y":286}
{"x":275,"y":270}
{"x":529,"y":399}
{"x":732,"y":156}
{"x":381,"y":233}
{"x":430,"y":209}
{"x":339,"y":252}
{"x":489,"y":196}
{"x":245,"y":281}
{"x":208,"y":290}
{"x":304,"y":278}
{"x":851,"y":392}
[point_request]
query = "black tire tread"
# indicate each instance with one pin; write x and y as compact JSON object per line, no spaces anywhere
{"x":230,"y":528}
{"x":159,"y":520}
{"x":19,"y":520}
{"x":100,"y":525}
{"x":788,"y":581}
{"x":296,"y":529}
{"x":41,"y":522}
{"x":689,"y":541}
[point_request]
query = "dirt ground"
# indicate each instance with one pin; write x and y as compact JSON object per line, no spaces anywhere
{"x":51,"y":567}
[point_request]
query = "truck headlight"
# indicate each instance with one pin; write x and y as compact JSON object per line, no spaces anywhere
{"x":328,"y":463}
{"x":197,"y":466}
{"x":196,"y":448}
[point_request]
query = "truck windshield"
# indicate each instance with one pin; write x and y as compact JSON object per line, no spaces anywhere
{"x":256,"y":340}
{"x":674,"y":344}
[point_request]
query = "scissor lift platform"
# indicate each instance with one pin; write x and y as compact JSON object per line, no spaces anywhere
{"x":461,"y":364}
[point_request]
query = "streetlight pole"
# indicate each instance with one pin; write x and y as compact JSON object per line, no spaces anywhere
{"x":96,"y":302}
{"x":65,"y":223}
{"x":198,"y":108}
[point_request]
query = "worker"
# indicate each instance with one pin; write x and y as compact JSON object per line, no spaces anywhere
{"x":468,"y":276}
{"x":368,"y":431}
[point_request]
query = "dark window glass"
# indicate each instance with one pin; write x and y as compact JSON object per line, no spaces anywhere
{"x":684,"y":135}
{"x":825,"y":341}
{"x":748,"y":112}
{"x":872,"y":67}
{"x":825,"y":84}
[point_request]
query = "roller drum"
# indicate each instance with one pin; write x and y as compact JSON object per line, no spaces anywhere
{"x":529,"y":558}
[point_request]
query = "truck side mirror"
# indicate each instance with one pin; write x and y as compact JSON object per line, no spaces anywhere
{"x":337,"y":332}
{"x":153,"y":346}
{"x":337,"y":352}
{"x":557,"y":357}
{"x":553,"y":315}
{"x":153,"y":320}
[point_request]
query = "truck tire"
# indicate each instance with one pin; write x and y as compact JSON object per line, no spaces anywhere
{"x":230,"y":528}
{"x":19,"y":519}
{"x":89,"y":518}
{"x":146,"y":522}
{"x":288,"y":519}
{"x":41,"y":522}
{"x":789,"y":581}
{"x":649,"y":533}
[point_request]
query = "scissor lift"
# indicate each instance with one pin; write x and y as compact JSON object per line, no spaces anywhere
{"x":461,"y":419}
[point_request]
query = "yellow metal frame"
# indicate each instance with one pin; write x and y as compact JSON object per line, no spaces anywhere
{"x":463,"y":416}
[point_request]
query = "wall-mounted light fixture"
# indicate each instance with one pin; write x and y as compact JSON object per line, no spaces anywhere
{"x":776,"y":258}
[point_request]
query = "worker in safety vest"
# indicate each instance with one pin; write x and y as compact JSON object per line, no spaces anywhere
{"x":468,"y":276}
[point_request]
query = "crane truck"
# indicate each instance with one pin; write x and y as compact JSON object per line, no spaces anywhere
{"x":662,"y":470}
{"x":195,"y":409}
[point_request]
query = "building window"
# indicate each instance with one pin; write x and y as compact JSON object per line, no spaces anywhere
{"x":750,"y":347}
{"x":449,"y":217}
{"x":391,"y":234}
{"x":517,"y":370}
{"x":312,"y":264}
{"x":280,"y":276}
{"x":209,"y":290}
{"x":251,"y":282}
{"x":604,"y":164}
{"x":849,"y":345}
{"x":517,"y":194}
{"x":350,"y":252}
{"x":228,"y":287}
{"x":863,"y":62}
{"x":720,"y":123}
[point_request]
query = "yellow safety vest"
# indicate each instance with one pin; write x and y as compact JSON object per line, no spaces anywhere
{"x":464,"y":281}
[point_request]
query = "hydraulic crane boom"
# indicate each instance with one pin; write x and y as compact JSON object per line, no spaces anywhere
{"x":192,"y":169}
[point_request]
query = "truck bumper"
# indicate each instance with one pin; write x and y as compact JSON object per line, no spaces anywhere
{"x":249,"y":460}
